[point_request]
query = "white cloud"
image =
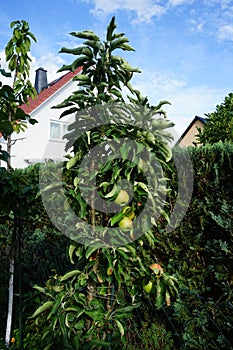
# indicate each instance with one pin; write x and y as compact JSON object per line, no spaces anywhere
{"x":145,"y":9}
{"x":179,"y":2}
{"x":196,"y":26}
{"x":224,"y":4}
{"x":3,"y":64}
{"x":159,"y":82}
{"x":193,"y":100}
{"x":225,"y":32}
{"x":142,"y":10}
{"x":50,"y":62}
{"x":186,"y":101}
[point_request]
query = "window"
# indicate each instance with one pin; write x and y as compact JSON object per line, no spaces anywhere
{"x":57,"y":130}
{"x":2,"y":140}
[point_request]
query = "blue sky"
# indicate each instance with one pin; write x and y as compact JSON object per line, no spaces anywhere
{"x":183,"y":47}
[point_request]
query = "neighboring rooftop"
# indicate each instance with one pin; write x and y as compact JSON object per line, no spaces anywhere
{"x":191,"y":131}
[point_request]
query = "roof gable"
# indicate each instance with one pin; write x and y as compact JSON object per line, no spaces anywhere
{"x":45,"y":94}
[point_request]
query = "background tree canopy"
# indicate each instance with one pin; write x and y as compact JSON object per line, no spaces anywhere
{"x":219,"y":126}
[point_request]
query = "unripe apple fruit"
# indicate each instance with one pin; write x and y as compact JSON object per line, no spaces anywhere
{"x":125,"y":224}
{"x":147,"y":287}
{"x":122,"y":198}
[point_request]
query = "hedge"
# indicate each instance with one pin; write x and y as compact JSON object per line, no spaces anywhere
{"x":199,"y":251}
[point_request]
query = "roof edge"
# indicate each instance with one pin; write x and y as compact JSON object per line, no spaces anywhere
{"x":47,"y":93}
{"x":201,"y":119}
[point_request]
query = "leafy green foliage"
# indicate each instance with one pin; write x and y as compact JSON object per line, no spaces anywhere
{"x":94,"y":304}
{"x":219,"y":125}
{"x":90,"y":305}
{"x":97,"y":298}
{"x":18,"y":48}
{"x":200,"y":250}
{"x":101,"y":117}
{"x":156,"y":337}
{"x":12,"y":117}
{"x":39,"y":250}
{"x":103,"y":72}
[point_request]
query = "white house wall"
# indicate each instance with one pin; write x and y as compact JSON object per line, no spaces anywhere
{"x":36,"y":143}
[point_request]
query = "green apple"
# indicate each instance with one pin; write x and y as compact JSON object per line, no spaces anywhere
{"x":125,"y":224}
{"x":147,"y":287}
{"x":122,"y":198}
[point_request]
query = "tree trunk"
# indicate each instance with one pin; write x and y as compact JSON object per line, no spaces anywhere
{"x":9,"y":153}
{"x":11,"y":269}
{"x":10,"y":302}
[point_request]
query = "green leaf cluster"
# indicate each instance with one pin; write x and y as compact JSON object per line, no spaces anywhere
{"x":219,"y":124}
{"x":103,"y":292}
{"x":102,"y":70}
{"x":12,"y":117}
{"x":18,"y":48}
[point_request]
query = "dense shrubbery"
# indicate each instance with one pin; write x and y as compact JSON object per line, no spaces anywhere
{"x":39,"y":250}
{"x":199,"y":251}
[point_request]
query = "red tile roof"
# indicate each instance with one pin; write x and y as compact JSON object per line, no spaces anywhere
{"x":46,"y":93}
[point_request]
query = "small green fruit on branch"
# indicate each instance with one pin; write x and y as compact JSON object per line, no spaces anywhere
{"x":122,"y":198}
{"x":147,"y":286}
{"x":125,"y":224}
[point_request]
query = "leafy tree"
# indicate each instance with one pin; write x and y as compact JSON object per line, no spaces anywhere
{"x":12,"y":117}
{"x":112,"y":268}
{"x":219,"y":125}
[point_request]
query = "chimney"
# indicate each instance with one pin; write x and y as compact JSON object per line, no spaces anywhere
{"x":41,"y":79}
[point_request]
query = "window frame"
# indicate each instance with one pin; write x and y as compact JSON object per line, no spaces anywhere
{"x":62,"y":130}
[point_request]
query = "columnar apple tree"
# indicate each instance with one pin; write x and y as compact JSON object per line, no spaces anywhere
{"x":113,"y":182}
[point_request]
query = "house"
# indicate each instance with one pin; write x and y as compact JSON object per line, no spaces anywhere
{"x":188,"y":138}
{"x":44,"y":140}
